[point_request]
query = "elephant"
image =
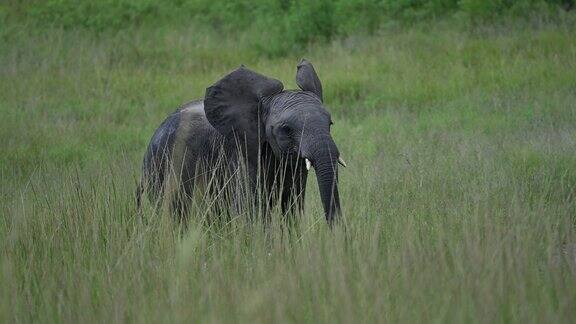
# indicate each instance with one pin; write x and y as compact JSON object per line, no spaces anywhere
{"x":246,"y":121}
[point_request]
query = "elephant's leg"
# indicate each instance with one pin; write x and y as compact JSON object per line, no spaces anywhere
{"x":182,"y":201}
{"x":293,"y":190}
{"x":176,"y":197}
{"x":179,"y":186}
{"x":218,"y":190}
{"x":271,"y":181}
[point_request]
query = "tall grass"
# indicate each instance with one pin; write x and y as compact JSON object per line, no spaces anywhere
{"x":458,"y":196}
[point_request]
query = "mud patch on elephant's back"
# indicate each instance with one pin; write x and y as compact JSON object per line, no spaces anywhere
{"x":179,"y":156}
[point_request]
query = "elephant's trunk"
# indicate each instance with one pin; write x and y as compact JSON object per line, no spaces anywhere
{"x":325,"y":162}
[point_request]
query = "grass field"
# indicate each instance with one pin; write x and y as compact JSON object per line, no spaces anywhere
{"x":459,"y":196}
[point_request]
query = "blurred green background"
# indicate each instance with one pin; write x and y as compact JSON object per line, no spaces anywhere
{"x":276,"y":26}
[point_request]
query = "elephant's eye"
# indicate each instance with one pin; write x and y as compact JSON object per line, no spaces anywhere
{"x":285,"y":128}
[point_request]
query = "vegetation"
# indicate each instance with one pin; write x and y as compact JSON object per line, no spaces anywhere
{"x":459,"y":196}
{"x":277,"y":26}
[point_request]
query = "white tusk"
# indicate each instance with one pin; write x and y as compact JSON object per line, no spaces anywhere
{"x":341,"y":161}
{"x":308,"y":164}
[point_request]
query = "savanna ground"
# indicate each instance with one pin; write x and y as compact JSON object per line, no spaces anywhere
{"x":459,"y":196}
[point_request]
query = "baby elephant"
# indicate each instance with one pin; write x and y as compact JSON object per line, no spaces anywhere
{"x":247,"y":135}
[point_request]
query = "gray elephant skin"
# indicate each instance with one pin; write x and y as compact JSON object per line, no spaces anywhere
{"x":248,"y":122}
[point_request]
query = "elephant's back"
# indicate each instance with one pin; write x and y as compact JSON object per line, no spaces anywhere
{"x":193,"y":120}
{"x":179,"y":142}
{"x":195,"y":137}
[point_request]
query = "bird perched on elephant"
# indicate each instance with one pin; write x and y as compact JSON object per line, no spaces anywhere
{"x":248,"y":122}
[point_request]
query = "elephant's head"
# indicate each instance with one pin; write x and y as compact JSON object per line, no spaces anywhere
{"x":249,"y":106}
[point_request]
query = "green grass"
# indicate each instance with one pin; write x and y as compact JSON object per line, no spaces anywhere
{"x":459,"y":195}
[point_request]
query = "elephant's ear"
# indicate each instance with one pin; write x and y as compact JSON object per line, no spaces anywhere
{"x":307,"y":79}
{"x":231,"y":104}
